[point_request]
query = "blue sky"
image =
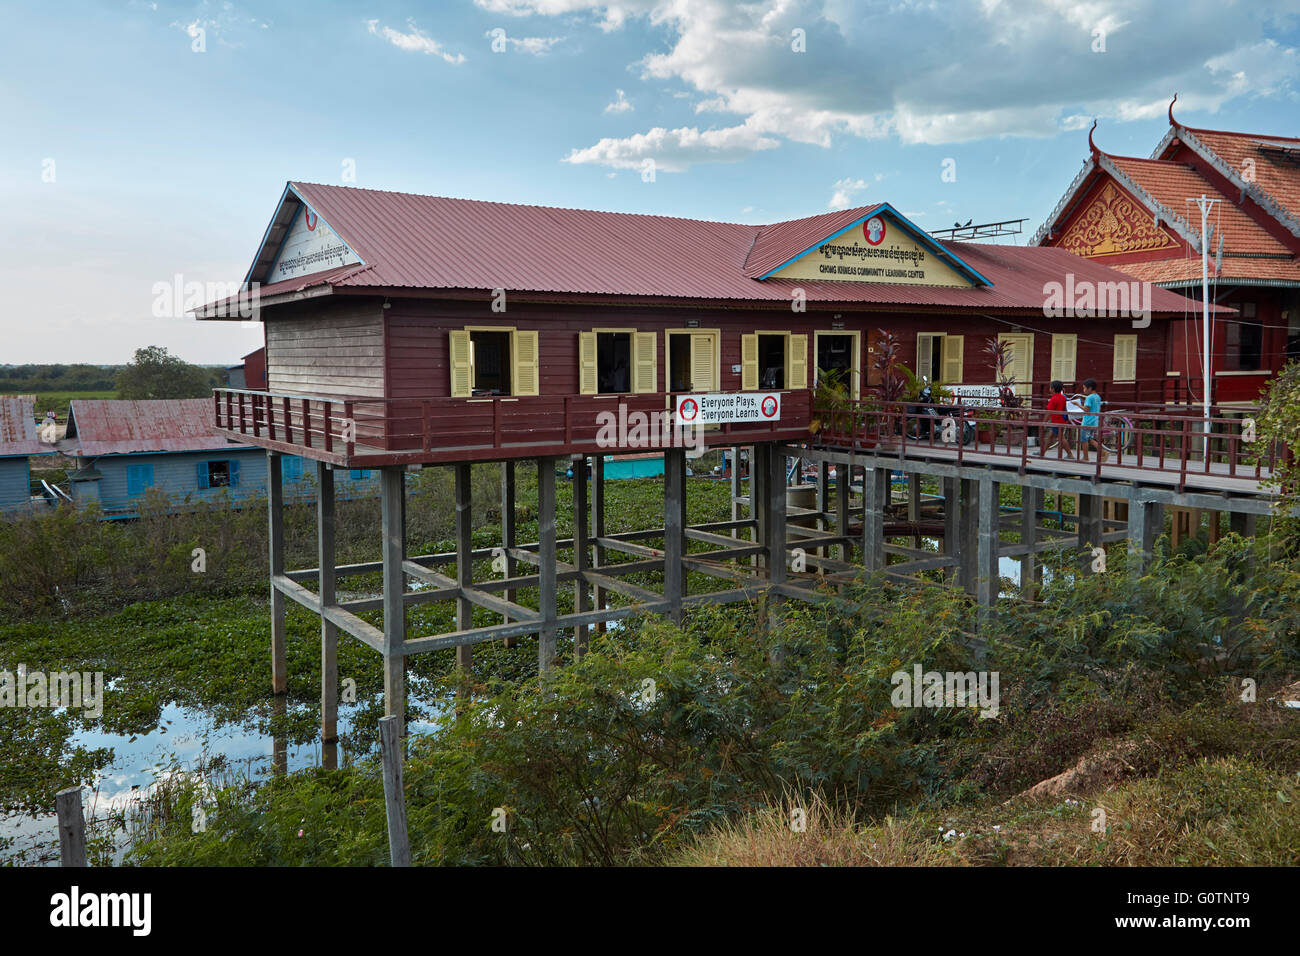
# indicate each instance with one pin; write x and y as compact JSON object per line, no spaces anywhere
{"x":145,"y":140}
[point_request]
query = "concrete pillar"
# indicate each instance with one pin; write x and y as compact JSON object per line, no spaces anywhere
{"x":392,"y":506}
{"x":1242,"y":524}
{"x":875,"y":498}
{"x":775,"y":523}
{"x":951,"y":544}
{"x":464,"y":560}
{"x":1089,"y":528}
{"x":987,"y":573}
{"x":327,"y":581}
{"x":275,"y":547}
{"x":598,"y":525}
{"x":674,"y":531}
{"x":842,"y":482}
{"x":1145,"y":522}
{"x":966,"y":549}
{"x":760,"y":467}
{"x":546,"y":554}
{"x":914,"y":505}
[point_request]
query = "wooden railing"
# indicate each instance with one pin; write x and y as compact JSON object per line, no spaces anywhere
{"x":437,"y":425}
{"x":1164,"y":441}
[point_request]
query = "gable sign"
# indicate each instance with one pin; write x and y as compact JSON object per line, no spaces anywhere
{"x":878,"y":249}
{"x":1113,"y":223}
{"x":310,"y":246}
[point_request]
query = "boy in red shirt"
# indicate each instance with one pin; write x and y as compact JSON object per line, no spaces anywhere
{"x":1056,"y":405}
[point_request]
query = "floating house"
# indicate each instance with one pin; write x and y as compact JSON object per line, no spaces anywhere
{"x":127,"y":449}
{"x":1133,"y":213}
{"x":18,"y":444}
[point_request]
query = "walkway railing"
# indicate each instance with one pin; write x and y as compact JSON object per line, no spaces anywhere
{"x":1164,"y":441}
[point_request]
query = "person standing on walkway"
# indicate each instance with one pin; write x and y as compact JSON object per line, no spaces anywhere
{"x":1090,"y":437}
{"x":1059,"y":434}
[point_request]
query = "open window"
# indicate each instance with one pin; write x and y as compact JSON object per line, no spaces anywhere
{"x":1243,"y":349}
{"x":838,"y":353}
{"x":693,"y":360}
{"x":220,"y":473}
{"x":941,"y":357}
{"x":488,"y":361}
{"x":616,"y":361}
{"x":773,"y":360}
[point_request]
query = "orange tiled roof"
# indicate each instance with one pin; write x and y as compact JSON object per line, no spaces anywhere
{"x":1171,"y":184}
{"x":1276,"y":171}
{"x":1189,"y":270}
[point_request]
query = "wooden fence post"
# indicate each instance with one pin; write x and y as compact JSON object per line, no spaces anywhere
{"x":72,"y":827}
{"x":399,"y":841}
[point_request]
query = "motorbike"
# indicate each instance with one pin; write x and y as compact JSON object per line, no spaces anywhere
{"x":925,"y":419}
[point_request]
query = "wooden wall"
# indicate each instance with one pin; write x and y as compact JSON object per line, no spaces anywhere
{"x":331,"y":348}
{"x":15,"y":484}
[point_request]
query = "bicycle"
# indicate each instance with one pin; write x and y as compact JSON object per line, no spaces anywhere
{"x":1114,"y":431}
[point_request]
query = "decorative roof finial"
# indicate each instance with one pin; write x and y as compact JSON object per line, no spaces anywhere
{"x":1092,"y":147}
{"x":1171,"y":110}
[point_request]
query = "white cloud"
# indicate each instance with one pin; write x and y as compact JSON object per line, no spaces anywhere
{"x":620,"y":104}
{"x":536,"y":46}
{"x":674,"y":151}
{"x":414,"y":42}
{"x":942,"y":73}
{"x":845,"y":190}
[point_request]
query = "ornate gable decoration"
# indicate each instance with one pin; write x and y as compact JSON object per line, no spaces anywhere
{"x":1114,"y":223}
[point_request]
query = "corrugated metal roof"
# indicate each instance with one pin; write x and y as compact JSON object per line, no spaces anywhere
{"x":435,"y":243}
{"x":18,"y":427}
{"x":119,"y":427}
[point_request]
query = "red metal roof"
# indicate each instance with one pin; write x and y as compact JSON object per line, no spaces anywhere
{"x":112,"y":427}
{"x":18,"y":427}
{"x":435,"y":243}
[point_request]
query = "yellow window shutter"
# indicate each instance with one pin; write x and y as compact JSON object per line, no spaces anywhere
{"x":645,"y":372}
{"x":461,"y":374}
{"x":1063,"y":354}
{"x":526,"y":364}
{"x":797,"y":376}
{"x":704,"y":362}
{"x":1125,"y":358}
{"x":924,"y":355}
{"x":749,"y":362}
{"x":587,"y":363}
{"x":954,"y":352}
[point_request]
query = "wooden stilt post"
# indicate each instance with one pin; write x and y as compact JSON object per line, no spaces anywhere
{"x":399,"y":841}
{"x":775,"y":524}
{"x":275,"y":545}
{"x":546,"y":562}
{"x":674,"y":531}
{"x":952,"y":526}
{"x":823,"y":499}
{"x":967,"y":547}
{"x":581,"y":552}
{"x":914,"y":505}
{"x":842,"y":482}
{"x":1031,"y":569}
{"x":1242,"y":524}
{"x":72,"y":827}
{"x":1089,"y":528}
{"x":464,"y":560}
{"x":988,"y":573}
{"x":392,"y":506}
{"x":735,"y":488}
{"x":327,"y":578}
{"x":875,"y":497}
{"x":760,"y":479}
{"x":508,"y":531}
{"x":598,"y":526}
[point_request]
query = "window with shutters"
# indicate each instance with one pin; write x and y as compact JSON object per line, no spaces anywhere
{"x":605,"y":361}
{"x":1064,"y":350}
{"x":139,"y":478}
{"x":693,"y":357}
{"x":291,"y":468}
{"x":222,"y":473}
{"x":1125,"y":369}
{"x":487,"y":361}
{"x":773,"y":360}
{"x":941,"y":357}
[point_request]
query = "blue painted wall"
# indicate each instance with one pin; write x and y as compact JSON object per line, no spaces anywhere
{"x":15,"y":484}
{"x":188,"y":475}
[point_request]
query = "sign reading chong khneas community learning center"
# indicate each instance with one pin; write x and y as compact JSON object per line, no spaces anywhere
{"x":877,"y":250}
{"x":717,"y":409}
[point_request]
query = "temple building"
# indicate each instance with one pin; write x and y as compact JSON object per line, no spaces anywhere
{"x":1134,"y":215}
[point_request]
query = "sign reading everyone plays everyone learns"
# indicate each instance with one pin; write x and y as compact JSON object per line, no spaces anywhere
{"x":717,"y":409}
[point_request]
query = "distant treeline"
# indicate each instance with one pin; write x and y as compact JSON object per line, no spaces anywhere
{"x":26,"y":379}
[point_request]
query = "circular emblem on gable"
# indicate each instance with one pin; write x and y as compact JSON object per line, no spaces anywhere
{"x":310,"y":218}
{"x":873,"y":230}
